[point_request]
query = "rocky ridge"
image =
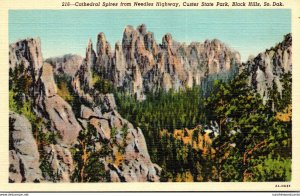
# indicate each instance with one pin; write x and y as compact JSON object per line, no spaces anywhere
{"x":58,"y":118}
{"x":268,"y":67}
{"x":139,"y":64}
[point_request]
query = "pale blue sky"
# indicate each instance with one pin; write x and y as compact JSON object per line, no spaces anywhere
{"x":68,"y":31}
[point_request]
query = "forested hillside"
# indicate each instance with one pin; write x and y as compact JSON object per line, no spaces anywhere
{"x":252,"y":145}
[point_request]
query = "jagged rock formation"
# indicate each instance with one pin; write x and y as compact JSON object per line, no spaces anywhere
{"x":28,"y":53}
{"x":82,"y":82}
{"x":140,"y":65}
{"x":133,"y":164}
{"x":46,"y":103}
{"x":268,"y":67}
{"x":23,"y":152}
{"x":54,"y":108}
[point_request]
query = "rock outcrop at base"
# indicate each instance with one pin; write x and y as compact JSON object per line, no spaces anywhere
{"x":23,"y":151}
{"x":129,"y":160}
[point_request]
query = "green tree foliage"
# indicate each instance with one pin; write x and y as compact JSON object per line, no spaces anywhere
{"x":64,"y":87}
{"x":162,"y":110}
{"x":279,"y":101}
{"x":90,"y":168}
{"x":66,"y":91}
{"x":286,"y":95}
{"x":102,"y":85}
{"x":258,"y":137}
{"x":20,"y":86}
{"x":166,"y":111}
{"x":252,"y":146}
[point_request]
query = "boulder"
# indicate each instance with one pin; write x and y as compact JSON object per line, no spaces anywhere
{"x":61,"y":162}
{"x":23,"y":151}
{"x":28,"y":52}
{"x":86,"y":112}
{"x":102,"y":127}
{"x":49,"y":87}
{"x":62,"y":118}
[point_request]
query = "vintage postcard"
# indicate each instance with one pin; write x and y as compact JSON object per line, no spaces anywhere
{"x":149,"y":95}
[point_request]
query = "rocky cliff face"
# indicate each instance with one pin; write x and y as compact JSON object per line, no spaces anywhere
{"x":267,"y":68}
{"x":34,"y":159}
{"x":55,"y":108}
{"x":139,"y":65}
{"x":23,"y":151}
{"x":28,"y":53}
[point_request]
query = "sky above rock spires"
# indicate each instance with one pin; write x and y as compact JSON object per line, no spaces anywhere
{"x":68,"y":31}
